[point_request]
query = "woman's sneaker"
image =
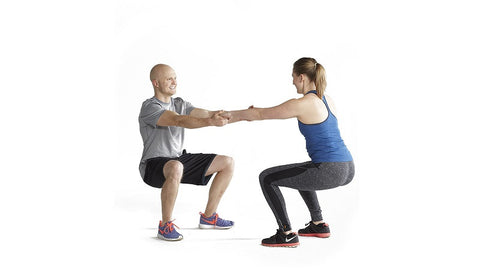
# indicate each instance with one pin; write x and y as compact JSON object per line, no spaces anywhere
{"x":167,"y":232}
{"x":321,"y":230}
{"x":281,"y":240}
{"x":214,"y":222}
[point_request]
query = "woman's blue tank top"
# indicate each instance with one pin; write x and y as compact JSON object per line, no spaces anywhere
{"x":324,"y":143}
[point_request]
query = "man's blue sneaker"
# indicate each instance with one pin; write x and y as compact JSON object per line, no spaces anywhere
{"x":167,"y":232}
{"x":214,"y":222}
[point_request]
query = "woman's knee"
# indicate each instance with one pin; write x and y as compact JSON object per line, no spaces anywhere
{"x":262,"y":177}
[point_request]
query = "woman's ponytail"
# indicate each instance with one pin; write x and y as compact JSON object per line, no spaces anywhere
{"x":320,"y":81}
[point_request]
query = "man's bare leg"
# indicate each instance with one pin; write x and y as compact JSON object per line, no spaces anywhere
{"x":173,"y":171}
{"x":224,"y":167}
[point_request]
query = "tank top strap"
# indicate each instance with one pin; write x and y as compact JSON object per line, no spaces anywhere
{"x":323,"y":99}
{"x":326,"y":104}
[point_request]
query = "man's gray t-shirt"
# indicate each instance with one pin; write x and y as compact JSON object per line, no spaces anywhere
{"x":161,"y":141}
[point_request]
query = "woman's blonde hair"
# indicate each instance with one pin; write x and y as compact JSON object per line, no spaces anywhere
{"x":314,"y":71}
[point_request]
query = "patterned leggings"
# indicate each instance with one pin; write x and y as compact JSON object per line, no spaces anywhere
{"x":306,"y":177}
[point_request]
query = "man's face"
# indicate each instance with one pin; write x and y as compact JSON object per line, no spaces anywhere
{"x":166,"y":81}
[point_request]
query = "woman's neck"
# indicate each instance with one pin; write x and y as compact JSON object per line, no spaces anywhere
{"x":308,"y":87}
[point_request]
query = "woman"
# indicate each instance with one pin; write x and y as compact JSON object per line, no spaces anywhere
{"x":331,"y":163}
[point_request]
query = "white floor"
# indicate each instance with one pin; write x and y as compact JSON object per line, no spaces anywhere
{"x":236,"y":248}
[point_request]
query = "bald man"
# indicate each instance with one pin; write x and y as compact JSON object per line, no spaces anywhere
{"x":165,"y":164}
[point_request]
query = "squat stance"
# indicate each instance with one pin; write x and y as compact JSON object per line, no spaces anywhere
{"x":331,"y":163}
{"x":165,"y":164}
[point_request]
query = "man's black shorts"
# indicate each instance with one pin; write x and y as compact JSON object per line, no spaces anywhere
{"x":195,"y":167}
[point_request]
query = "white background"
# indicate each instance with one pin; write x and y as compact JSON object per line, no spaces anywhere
{"x":404,"y":75}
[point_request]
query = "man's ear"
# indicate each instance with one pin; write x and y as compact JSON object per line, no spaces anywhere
{"x":155,"y":83}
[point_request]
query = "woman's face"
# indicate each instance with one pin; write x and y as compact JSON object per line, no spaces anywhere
{"x":298,"y":82}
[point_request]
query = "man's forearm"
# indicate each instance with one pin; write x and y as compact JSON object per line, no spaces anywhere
{"x":202,"y":113}
{"x":191,"y":122}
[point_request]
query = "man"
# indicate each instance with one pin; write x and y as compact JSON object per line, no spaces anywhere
{"x":164,"y":165}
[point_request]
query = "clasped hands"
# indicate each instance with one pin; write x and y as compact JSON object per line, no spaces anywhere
{"x":222,"y":117}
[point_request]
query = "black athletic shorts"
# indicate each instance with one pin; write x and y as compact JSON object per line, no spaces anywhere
{"x":195,"y":167}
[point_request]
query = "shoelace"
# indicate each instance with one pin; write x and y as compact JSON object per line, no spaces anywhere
{"x":311,"y":222}
{"x":169,"y":227}
{"x":282,"y":234}
{"x":221,"y":221}
{"x":215,"y":220}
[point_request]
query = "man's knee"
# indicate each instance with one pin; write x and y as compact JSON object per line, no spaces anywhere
{"x":227,"y":163}
{"x":173,"y":171}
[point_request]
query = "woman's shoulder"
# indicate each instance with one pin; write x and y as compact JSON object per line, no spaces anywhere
{"x":313,"y":110}
{"x":310,"y":99}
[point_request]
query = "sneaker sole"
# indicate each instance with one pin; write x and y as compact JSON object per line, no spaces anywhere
{"x":169,"y":239}
{"x":213,"y":227}
{"x":289,"y":245}
{"x":319,"y":235}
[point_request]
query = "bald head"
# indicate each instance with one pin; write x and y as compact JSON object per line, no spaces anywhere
{"x":158,"y":70}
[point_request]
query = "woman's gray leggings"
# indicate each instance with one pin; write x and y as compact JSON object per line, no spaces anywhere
{"x":306,"y":177}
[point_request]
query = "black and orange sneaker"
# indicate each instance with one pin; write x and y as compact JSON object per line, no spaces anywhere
{"x":281,"y":240}
{"x":321,"y":230}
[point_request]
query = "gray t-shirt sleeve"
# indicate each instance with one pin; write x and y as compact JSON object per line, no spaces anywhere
{"x":189,"y":107}
{"x":150,"y":114}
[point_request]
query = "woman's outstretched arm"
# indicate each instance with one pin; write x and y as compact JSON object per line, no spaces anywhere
{"x":289,"y":109}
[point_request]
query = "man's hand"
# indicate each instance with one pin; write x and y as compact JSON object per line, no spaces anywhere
{"x":226,"y":115}
{"x":220,"y":118}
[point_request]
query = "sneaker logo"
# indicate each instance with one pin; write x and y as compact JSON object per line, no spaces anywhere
{"x":289,"y":239}
{"x":208,"y":221}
